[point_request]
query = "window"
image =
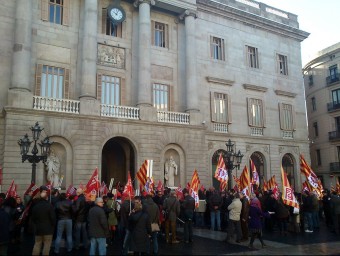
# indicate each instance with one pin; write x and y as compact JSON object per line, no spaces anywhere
{"x":161,"y":97}
{"x":255,"y":112}
{"x":333,"y":71}
{"x":219,"y":107}
{"x":337,"y":123}
{"x":313,"y":104}
{"x":52,"y":82}
{"x":55,"y":11}
{"x":252,"y":55}
{"x":310,"y":78}
{"x":217,"y":48}
{"x":160,"y":34}
{"x":318,"y":156}
{"x":336,"y":96}
{"x":316,"y":129}
{"x":283,"y":65}
{"x":287,"y":120}
{"x":110,"y":87}
{"x":108,"y":27}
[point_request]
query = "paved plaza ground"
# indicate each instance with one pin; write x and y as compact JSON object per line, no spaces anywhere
{"x":207,"y":242}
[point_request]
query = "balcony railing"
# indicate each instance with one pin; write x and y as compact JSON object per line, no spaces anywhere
{"x":287,"y":134}
{"x":334,"y":167}
{"x":256,"y":131}
{"x":334,"y":135}
{"x":333,"y":106}
{"x":332,"y":79}
{"x":218,"y":127}
{"x":119,"y":111}
{"x":173,"y":117}
{"x":57,"y":105}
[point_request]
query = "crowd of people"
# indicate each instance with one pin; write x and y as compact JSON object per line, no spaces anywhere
{"x":137,"y":222}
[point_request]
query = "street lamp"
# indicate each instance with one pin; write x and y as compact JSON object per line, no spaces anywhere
{"x":25,"y":143}
{"x":230,"y":157}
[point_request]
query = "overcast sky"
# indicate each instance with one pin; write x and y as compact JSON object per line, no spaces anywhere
{"x":320,"y":18}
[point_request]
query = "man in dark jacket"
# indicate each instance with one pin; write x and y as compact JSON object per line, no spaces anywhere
{"x":43,"y":220}
{"x":153,"y":211}
{"x":81,"y":212}
{"x":172,"y":206}
{"x":64,"y":215}
{"x":98,"y":228}
{"x":245,"y":216}
{"x":188,"y":207}
{"x":215,"y":203}
{"x":4,"y":231}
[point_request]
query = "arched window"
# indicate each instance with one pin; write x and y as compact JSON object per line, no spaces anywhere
{"x":288,"y":167}
{"x":258,"y":160}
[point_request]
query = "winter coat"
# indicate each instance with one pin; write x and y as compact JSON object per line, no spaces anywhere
{"x":235,"y":209}
{"x":98,"y":226}
{"x":172,"y":205}
{"x":188,"y":206}
{"x":140,"y":228}
{"x":245,"y":209}
{"x":64,"y":209}
{"x":215,"y":202}
{"x":81,"y":209}
{"x":112,"y":219}
{"x":281,"y":212}
{"x":152,"y":209}
{"x":4,"y":224}
{"x":124,"y":213}
{"x":43,"y":218}
{"x":255,"y":217}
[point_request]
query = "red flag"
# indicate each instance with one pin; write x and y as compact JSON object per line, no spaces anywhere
{"x":237,"y":183}
{"x":272,"y":183}
{"x":255,"y":179}
{"x":160,"y":186}
{"x":9,"y":191}
{"x":221,"y":173}
{"x":71,"y":191}
{"x":265,"y":185}
{"x":142,"y":173}
{"x":128,"y":189}
{"x":195,"y":181}
{"x":179,"y":193}
{"x":245,"y":182}
{"x":29,"y":188}
{"x":103,"y":189}
{"x":93,"y":183}
{"x":223,"y":185}
{"x":188,"y":186}
{"x":288,"y":196}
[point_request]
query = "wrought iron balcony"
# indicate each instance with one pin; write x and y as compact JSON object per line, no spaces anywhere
{"x":334,"y":167}
{"x":333,"y":106}
{"x":332,"y":79}
{"x":335,"y":135}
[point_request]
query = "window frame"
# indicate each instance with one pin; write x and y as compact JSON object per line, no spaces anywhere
{"x":252,"y":57}
{"x":109,"y":97}
{"x":226,"y":107}
{"x":164,"y":43}
{"x":252,"y":121}
{"x":217,"y":48}
{"x":318,"y":157}
{"x":282,"y":62}
{"x":108,"y":26}
{"x":162,"y":94}
{"x":287,"y":117}
{"x":64,"y":15}
{"x":313,"y":103}
{"x":316,"y":129}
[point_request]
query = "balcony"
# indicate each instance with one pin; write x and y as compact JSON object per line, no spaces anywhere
{"x":333,"y":136}
{"x":56,"y":105}
{"x":220,"y":127}
{"x":173,"y":117}
{"x":256,"y":131}
{"x":119,"y":111}
{"x":288,"y":134}
{"x":332,"y":79}
{"x":334,"y":167}
{"x":332,"y":106}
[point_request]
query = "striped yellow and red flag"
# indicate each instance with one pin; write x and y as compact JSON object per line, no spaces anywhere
{"x":223,"y":185}
{"x":255,"y":179}
{"x":308,"y":172}
{"x":288,"y":196}
{"x":195,"y":182}
{"x":337,"y":187}
{"x":237,"y":181}
{"x":221,"y":173}
{"x":306,"y":186}
{"x":265,"y":185}
{"x":245,"y":182}
{"x":144,"y":172}
{"x":272,"y":183}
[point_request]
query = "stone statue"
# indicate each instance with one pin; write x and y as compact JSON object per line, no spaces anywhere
{"x":53,"y":169}
{"x":170,"y":172}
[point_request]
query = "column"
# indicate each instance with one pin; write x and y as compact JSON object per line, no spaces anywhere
{"x":147,"y":112}
{"x":88,"y":100}
{"x":20,"y":89}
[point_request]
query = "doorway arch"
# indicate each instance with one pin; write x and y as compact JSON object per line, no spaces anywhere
{"x":288,"y":167}
{"x":259,"y":162}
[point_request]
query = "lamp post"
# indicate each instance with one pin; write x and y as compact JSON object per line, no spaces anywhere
{"x":25,"y":143}
{"x":230,"y":157}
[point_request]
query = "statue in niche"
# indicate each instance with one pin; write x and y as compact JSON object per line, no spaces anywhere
{"x":53,"y":169}
{"x":170,"y":171}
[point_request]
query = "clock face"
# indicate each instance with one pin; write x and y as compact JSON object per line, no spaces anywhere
{"x":116,"y":14}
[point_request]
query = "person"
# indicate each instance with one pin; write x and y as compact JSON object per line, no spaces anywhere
{"x":43,"y":220}
{"x":125,"y":211}
{"x":255,"y":221}
{"x":172,"y":206}
{"x":282,"y":216}
{"x":153,"y":211}
{"x":53,"y":168}
{"x":245,"y":216}
{"x":4,"y":231}
{"x":18,"y":214}
{"x":215,"y":203}
{"x":170,"y":172}
{"x":327,"y":207}
{"x":188,"y":206}
{"x":98,"y":228}
{"x":140,"y":229}
{"x":81,"y":209}
{"x":335,"y":212}
{"x":63,"y":209}
{"x":307,"y":210}
{"x":234,"y":218}
{"x":112,"y":216}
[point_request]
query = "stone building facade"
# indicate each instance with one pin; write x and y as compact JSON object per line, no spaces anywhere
{"x":322,"y":86}
{"x":176,"y":78}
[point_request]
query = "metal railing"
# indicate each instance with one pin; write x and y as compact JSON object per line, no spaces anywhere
{"x":173,"y":117}
{"x":334,"y":135}
{"x":119,"y":111}
{"x":333,"y":106}
{"x":256,"y":131}
{"x":218,"y":127}
{"x":57,"y":105}
{"x":332,"y":79}
{"x":334,"y":167}
{"x":287,"y":134}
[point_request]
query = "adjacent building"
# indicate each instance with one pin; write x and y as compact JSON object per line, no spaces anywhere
{"x":158,"y":79}
{"x":322,"y":86}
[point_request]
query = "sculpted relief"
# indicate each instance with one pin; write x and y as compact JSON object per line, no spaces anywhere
{"x":111,"y":56}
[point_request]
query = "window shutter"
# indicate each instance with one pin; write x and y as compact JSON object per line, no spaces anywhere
{"x":171,"y":98}
{"x":38,"y":73}
{"x":99,"y":87}
{"x":119,"y":30}
{"x":263,"y":114}
{"x":123,"y":91}
{"x":222,"y":48}
{"x":250,"y":119}
{"x":44,"y":10}
{"x":281,"y":116}
{"x":229,"y":117}
{"x":166,"y":35}
{"x":153,"y":32}
{"x":67,"y":84}
{"x":66,"y":12}
{"x":211,"y":47}
{"x":104,"y":17}
{"x":212,"y":106}
{"x":294,"y":118}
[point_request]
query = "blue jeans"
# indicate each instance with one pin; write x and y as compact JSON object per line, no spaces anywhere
{"x":315,"y":217}
{"x":309,"y":218}
{"x":154,"y":238}
{"x":126,"y":243}
{"x":100,"y":243}
{"x":61,"y":226}
{"x":215,"y":215}
{"x":199,"y":219}
{"x":81,"y":231}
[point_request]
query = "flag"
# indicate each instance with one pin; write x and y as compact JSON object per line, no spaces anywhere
{"x":179,"y":193}
{"x":221,"y":173}
{"x":265,"y":185}
{"x":160,"y":187}
{"x":29,"y":188}
{"x":237,"y":183}
{"x":188,"y":186}
{"x":308,"y":172}
{"x":288,"y":196}
{"x":306,"y":186}
{"x":195,"y":181}
{"x":223,"y":185}
{"x":93,"y":183}
{"x":10,"y":190}
{"x":71,"y":191}
{"x":24,"y":213}
{"x":149,"y":186}
{"x":245,"y":182}
{"x":128,"y":189}
{"x":144,"y":172}
{"x":103,"y":189}
{"x":255,"y":179}
{"x":337,"y":187}
{"x":272,"y":183}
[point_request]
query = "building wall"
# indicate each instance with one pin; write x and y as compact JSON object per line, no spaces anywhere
{"x":82,"y":136}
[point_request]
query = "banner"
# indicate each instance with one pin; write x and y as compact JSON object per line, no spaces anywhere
{"x":221,"y":173}
{"x":255,"y":179}
{"x":288,"y":196}
{"x":245,"y":182}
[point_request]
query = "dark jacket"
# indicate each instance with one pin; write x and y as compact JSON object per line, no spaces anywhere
{"x":188,"y":206}
{"x":152,"y":209}
{"x":172,"y":205}
{"x":255,"y":217}
{"x":81,"y":209}
{"x":140,"y":228}
{"x":98,"y":226}
{"x":215,"y":201}
{"x":4,"y":224}
{"x":43,"y":218}
{"x":64,"y":210}
{"x":124,"y":213}
{"x":281,"y":212}
{"x":245,"y":209}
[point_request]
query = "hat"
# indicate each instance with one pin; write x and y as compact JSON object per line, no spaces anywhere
{"x":42,"y":188}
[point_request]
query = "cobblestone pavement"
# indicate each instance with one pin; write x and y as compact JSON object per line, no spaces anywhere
{"x":207,"y":242}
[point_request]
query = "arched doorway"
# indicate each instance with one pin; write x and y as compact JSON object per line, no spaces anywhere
{"x":288,"y":167}
{"x":214,"y":161}
{"x":259,"y":162}
{"x":118,"y":157}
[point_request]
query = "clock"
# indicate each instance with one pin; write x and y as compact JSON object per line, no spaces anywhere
{"x":116,"y":14}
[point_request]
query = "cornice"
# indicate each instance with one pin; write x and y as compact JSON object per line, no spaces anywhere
{"x":138,"y":2}
{"x":216,"y":80}
{"x":284,"y":93}
{"x":255,"y":87}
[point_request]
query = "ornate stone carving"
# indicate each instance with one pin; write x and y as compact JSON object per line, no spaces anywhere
{"x":187,"y":13}
{"x":248,"y":147}
{"x":138,"y":2}
{"x":296,"y":150}
{"x":210,"y":145}
{"x":111,"y":56}
{"x":281,"y":148}
{"x":266,"y":149}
